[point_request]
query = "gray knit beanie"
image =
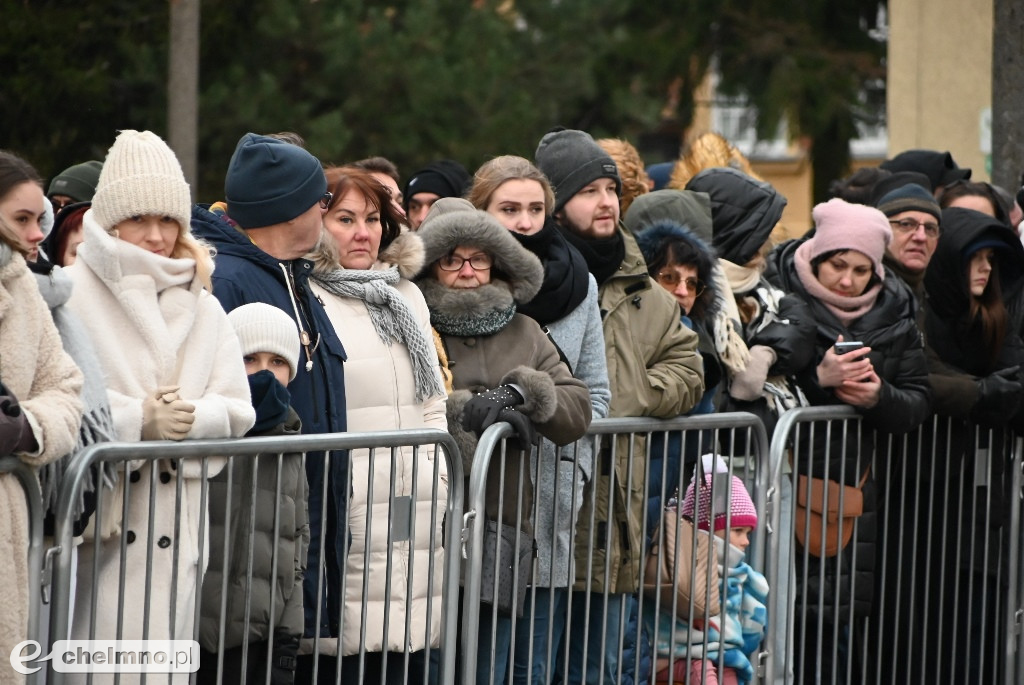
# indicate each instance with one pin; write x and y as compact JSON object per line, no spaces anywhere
{"x":261,"y":327}
{"x":141,"y":176}
{"x":572,"y":160}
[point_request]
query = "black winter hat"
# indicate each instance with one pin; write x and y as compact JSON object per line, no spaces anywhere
{"x":444,"y":178}
{"x":898,"y":180}
{"x":939,"y":167}
{"x":743,"y":210}
{"x":572,"y":160}
{"x":909,"y":198}
{"x":270,"y":181}
{"x":77,"y":182}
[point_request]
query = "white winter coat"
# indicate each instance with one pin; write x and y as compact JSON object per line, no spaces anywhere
{"x":36,"y":370}
{"x":152,"y":325}
{"x":380,"y":394}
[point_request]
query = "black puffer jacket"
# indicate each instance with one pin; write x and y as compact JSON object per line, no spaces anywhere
{"x":889,"y":329}
{"x":897,"y":354}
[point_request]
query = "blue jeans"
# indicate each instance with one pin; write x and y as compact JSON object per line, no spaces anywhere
{"x":602,"y":664}
{"x":500,"y":630}
{"x":547,"y":616}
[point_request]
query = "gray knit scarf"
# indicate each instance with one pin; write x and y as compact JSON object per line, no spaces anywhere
{"x":391,"y":317}
{"x":97,"y":424}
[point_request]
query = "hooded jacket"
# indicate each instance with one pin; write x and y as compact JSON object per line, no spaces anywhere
{"x":518,"y":353}
{"x":958,"y":352}
{"x":744,"y":211}
{"x":246,"y":274}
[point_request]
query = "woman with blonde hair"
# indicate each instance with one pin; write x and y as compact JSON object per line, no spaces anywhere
{"x":519,"y":196}
{"x":40,"y":411}
{"x":174,"y":371}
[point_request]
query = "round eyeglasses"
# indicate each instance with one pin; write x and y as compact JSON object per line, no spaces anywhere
{"x":453,"y":262}
{"x":671,"y":279}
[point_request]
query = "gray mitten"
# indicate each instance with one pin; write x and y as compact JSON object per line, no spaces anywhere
{"x":748,"y":384}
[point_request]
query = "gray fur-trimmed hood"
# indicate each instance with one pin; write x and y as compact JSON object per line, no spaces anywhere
{"x":454,"y":221}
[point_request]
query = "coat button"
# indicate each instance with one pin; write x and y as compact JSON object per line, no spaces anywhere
{"x":135,"y":477}
{"x":165,"y":478}
{"x":131,"y":537}
{"x":164,"y":542}
{"x":470,"y":342}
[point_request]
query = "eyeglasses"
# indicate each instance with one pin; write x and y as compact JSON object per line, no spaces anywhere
{"x":931,"y":229}
{"x":671,"y":279}
{"x":325,"y":201}
{"x":453,"y":262}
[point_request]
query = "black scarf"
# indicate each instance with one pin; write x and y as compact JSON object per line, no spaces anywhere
{"x":565,"y":275}
{"x":603,"y":255}
{"x":270,"y":399}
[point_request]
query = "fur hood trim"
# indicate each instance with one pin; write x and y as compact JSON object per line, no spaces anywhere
{"x":406,"y":252}
{"x":539,"y":388}
{"x":464,"y":440}
{"x":464,"y":302}
{"x":458,"y":223}
{"x":650,"y":240}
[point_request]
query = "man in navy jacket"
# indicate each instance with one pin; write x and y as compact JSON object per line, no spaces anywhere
{"x":276,"y":195}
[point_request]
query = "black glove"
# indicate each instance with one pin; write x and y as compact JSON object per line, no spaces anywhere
{"x":526,"y":434}
{"x":483,"y":408}
{"x":999,"y":396}
{"x":15,"y":432}
{"x":286,"y":650}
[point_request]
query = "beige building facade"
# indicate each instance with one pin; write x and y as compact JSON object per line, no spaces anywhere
{"x":939,"y":86}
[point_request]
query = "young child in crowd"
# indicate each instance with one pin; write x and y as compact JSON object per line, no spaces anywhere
{"x":269,"y":342}
{"x":735,"y":633}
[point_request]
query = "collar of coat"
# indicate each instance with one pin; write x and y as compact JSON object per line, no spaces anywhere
{"x":115,"y":261}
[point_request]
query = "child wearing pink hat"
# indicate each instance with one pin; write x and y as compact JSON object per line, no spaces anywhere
{"x":695,"y":649}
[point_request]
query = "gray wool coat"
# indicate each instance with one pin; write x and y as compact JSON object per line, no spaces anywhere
{"x":560,"y":478}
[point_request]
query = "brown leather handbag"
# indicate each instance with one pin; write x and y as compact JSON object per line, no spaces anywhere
{"x":818,"y":504}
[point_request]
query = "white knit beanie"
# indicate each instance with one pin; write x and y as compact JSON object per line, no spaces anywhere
{"x":262,"y":327}
{"x":141,"y":176}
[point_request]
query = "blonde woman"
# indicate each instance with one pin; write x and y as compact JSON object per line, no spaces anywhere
{"x":174,"y":371}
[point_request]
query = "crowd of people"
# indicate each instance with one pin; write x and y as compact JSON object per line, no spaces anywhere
{"x":544,"y":294}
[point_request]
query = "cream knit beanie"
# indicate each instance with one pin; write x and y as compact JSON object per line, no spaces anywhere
{"x":141,"y":176}
{"x":261,"y":327}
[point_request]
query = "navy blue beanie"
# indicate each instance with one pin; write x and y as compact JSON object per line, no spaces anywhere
{"x":270,"y":181}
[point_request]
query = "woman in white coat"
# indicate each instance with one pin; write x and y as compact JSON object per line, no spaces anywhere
{"x":174,"y":371}
{"x":40,"y":411}
{"x":392,"y":381}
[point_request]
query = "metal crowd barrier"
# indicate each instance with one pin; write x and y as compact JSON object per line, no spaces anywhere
{"x":928,"y":589}
{"x":617,"y":618}
{"x":137,"y":610}
{"x":26,"y":476}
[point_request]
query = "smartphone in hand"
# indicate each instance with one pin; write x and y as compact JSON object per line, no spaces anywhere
{"x":844,"y":347}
